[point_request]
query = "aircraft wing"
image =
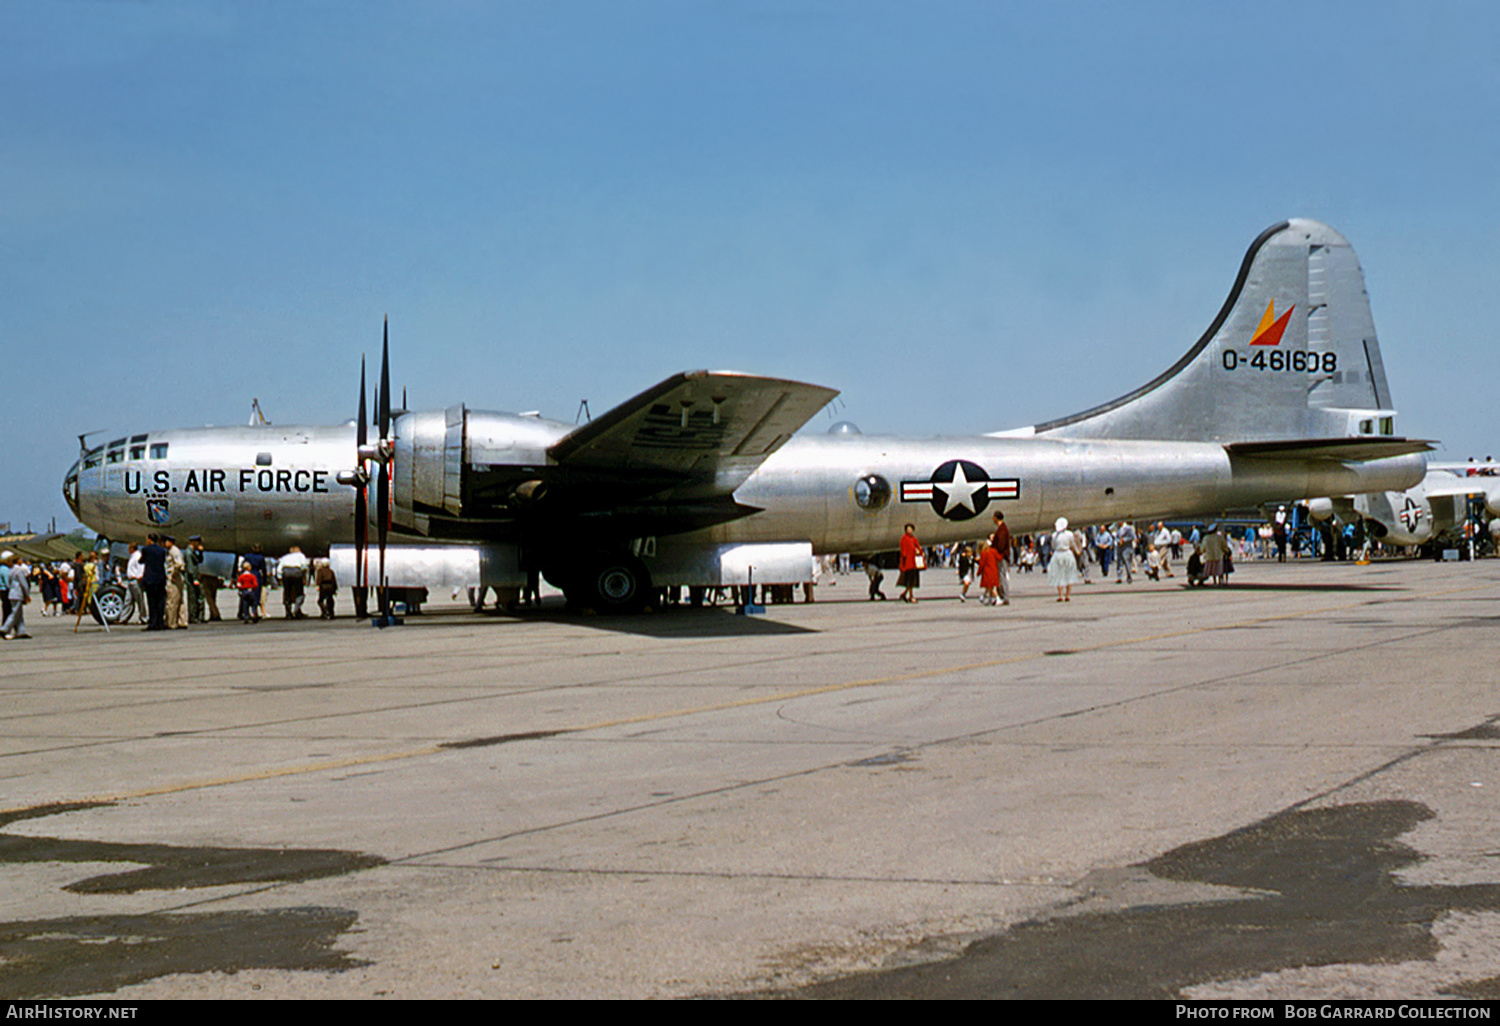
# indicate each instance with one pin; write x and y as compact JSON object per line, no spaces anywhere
{"x":1355,"y":449}
{"x":698,"y":434}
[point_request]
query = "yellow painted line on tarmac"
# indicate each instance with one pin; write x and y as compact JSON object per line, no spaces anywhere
{"x":271,"y":774}
{"x":351,"y":762}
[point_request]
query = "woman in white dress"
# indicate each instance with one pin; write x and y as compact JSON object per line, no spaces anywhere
{"x":1062,"y":571}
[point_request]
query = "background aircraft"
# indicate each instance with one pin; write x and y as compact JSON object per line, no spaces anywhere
{"x":1435,"y":509}
{"x":698,"y":480}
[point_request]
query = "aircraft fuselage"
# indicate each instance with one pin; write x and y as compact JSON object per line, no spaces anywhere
{"x":277,"y":486}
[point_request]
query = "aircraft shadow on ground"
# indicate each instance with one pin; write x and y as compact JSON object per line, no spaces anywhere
{"x":679,"y":622}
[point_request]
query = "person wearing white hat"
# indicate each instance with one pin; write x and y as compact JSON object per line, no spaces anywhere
{"x":1062,"y":571}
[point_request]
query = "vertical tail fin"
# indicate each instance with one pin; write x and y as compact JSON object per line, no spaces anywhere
{"x":1292,"y":354}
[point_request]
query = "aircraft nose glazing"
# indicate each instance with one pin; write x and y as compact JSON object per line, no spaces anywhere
{"x":70,"y":487}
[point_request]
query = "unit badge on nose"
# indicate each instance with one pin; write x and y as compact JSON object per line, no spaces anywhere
{"x":157,"y":511}
{"x":960,"y":490}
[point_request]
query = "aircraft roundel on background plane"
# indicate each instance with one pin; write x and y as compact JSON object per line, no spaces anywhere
{"x":699,"y":480}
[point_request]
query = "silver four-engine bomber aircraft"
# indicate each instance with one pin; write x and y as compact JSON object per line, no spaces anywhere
{"x":699,"y":481}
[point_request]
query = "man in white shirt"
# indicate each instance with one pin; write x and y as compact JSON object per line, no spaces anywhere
{"x":1163,"y":541}
{"x":133,"y":570}
{"x":293,"y":568}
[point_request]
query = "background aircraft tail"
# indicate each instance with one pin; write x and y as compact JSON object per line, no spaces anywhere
{"x":1291,"y":355}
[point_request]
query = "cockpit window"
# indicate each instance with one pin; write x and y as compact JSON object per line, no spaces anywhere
{"x":159,"y":451}
{"x":70,"y":488}
{"x":137,"y":452}
{"x":115,"y":456}
{"x":137,"y":438}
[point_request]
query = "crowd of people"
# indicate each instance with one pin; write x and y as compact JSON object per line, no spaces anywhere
{"x":63,"y":586}
{"x":165,"y":586}
{"x":1071,"y":556}
{"x":168,"y":587}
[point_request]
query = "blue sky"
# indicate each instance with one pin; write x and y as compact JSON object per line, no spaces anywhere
{"x":932,"y":207}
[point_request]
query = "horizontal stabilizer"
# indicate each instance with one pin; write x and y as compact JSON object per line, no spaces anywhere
{"x":1356,"y":449}
{"x":1462,"y":486}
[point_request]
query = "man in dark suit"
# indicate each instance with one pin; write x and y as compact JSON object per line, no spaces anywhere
{"x":154,"y":583}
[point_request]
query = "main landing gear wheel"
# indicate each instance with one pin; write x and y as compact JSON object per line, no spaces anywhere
{"x":610,"y":584}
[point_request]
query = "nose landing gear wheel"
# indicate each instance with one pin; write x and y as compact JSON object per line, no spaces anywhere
{"x":111,"y":602}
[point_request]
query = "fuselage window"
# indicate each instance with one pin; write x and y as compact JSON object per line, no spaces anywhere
{"x":262,"y":459}
{"x":159,"y":451}
{"x":1387,"y":425}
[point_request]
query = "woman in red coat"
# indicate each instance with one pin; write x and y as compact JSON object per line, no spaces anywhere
{"x":912,"y":562}
{"x":989,"y":573}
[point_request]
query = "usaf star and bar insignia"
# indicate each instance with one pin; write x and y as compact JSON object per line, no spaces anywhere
{"x":960,"y":490}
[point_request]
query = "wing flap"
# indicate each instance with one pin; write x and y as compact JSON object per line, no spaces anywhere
{"x":705,"y":430}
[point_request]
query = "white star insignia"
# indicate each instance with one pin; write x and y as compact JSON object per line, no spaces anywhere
{"x":960,"y":491}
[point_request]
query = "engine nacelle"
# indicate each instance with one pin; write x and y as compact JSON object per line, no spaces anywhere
{"x":458,"y":464}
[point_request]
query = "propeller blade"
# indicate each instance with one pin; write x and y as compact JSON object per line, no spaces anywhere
{"x":384,"y":492}
{"x":385,"y":383}
{"x":361,"y":494}
{"x":384,"y":498}
{"x":363,"y":433}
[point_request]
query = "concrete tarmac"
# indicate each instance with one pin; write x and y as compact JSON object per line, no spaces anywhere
{"x":1284,"y":788}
